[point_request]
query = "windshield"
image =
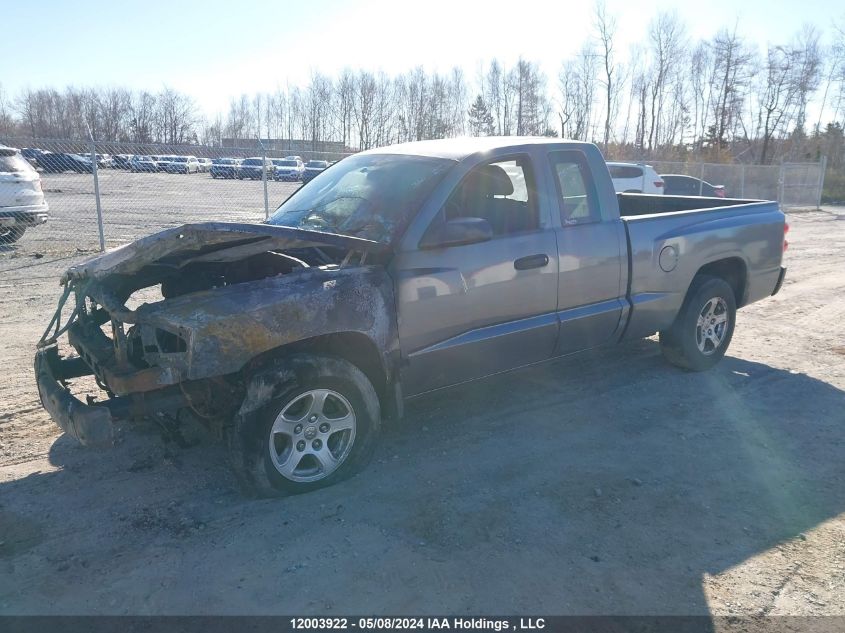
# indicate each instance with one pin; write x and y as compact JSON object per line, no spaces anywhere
{"x":180,"y":159}
{"x":370,"y":196}
{"x":286,"y":163}
{"x":252,"y":161}
{"x":316,"y":163}
{"x":224,"y":161}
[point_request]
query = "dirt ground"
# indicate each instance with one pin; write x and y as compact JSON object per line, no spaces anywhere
{"x":609,"y":483}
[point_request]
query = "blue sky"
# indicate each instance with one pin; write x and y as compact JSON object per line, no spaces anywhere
{"x":215,"y":50}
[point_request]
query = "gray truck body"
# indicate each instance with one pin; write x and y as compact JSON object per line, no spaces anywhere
{"x":413,"y":317}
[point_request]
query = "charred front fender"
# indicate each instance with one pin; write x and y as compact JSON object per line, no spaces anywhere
{"x":226,"y":328}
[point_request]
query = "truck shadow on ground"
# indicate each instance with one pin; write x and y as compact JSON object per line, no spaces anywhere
{"x":605,"y":483}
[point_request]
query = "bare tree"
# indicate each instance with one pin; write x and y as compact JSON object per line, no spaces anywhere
{"x":777,"y":98}
{"x":665,"y":35}
{"x":7,"y":122}
{"x":363,"y":107}
{"x":114,"y":111}
{"x":141,"y":113}
{"x":344,"y":94}
{"x":732,"y":64}
{"x":495,"y":95}
{"x":606,"y":33}
{"x":806,"y":44}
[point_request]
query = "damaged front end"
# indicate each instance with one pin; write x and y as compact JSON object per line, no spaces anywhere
{"x":104,"y":358}
{"x":172,"y":322}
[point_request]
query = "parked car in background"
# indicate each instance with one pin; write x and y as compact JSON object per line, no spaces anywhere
{"x":163,"y":162}
{"x":288,"y":169}
{"x":183,"y":165}
{"x":122,"y":161}
{"x":254,"y":167}
{"x":22,"y":203}
{"x":31,"y":154}
{"x":299,"y":158}
{"x":635,"y":178}
{"x":312,"y":168}
{"x":225,"y":167}
{"x":683,"y":185}
{"x":139,"y":162}
{"x":106,"y":161}
{"x":59,"y":162}
{"x":205,"y":164}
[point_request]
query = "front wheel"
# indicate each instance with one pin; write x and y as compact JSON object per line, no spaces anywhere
{"x":320,"y":428}
{"x":702,"y":331}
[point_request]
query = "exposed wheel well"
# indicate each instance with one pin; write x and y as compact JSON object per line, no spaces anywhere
{"x":354,"y":347}
{"x":733,"y":271}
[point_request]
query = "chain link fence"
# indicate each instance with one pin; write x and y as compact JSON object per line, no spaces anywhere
{"x":105,"y":194}
{"x":791,"y":184}
{"x":139,"y":189}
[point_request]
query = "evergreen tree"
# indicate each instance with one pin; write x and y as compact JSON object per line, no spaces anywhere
{"x":480,"y":118}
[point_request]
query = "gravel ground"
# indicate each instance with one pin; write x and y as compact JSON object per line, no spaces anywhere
{"x":607,"y":483}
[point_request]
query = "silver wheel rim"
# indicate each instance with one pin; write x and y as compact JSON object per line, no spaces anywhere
{"x":312,"y":435}
{"x":712,"y":325}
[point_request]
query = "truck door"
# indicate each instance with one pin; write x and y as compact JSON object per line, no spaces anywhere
{"x":591,"y":252}
{"x":470,"y":310}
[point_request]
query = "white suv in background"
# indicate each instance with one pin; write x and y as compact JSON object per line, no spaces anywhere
{"x":22,"y":202}
{"x":635,"y":178}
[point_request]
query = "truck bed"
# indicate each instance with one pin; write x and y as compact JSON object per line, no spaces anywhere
{"x":671,"y":237}
{"x":632,"y":204}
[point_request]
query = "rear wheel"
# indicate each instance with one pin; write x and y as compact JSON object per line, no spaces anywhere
{"x":11,"y":235}
{"x":321,"y":427}
{"x":702,"y":331}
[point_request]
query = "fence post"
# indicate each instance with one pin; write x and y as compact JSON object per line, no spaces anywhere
{"x":781,"y":185}
{"x":822,"y":170}
{"x":97,"y":192}
{"x":742,"y":181}
{"x":264,"y":178}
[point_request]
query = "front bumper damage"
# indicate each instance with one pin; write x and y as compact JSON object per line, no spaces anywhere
{"x":92,"y":424}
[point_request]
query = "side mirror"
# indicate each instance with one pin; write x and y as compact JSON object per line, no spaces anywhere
{"x":457,"y":232}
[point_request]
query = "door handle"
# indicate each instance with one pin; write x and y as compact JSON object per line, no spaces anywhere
{"x":531,"y":261}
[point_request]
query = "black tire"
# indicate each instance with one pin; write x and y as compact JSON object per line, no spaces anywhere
{"x":293,"y":379}
{"x":682,"y":343}
{"x":12,"y":235}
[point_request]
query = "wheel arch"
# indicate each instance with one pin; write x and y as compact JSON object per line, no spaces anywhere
{"x":733,"y":270}
{"x":355,"y":347}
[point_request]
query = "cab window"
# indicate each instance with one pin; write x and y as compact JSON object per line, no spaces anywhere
{"x":501,"y":192}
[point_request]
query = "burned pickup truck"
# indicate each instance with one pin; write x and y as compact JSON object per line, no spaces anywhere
{"x":394,"y":273}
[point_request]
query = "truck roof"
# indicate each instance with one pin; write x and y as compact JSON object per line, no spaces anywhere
{"x":460,"y":148}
